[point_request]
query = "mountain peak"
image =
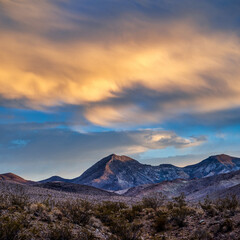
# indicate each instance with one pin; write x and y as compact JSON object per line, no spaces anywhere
{"x":10,"y":174}
{"x":223,"y":158}
{"x":113,"y":168}
{"x":121,"y":158}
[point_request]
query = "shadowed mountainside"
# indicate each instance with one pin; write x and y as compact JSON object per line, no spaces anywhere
{"x":75,"y":188}
{"x":55,"y":179}
{"x":216,"y":186}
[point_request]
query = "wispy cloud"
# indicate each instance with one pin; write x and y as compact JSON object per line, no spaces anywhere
{"x":41,"y":67}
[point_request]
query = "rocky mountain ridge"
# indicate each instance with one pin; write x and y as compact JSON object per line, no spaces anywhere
{"x":121,"y":172}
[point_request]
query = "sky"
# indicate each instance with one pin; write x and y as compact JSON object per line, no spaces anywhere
{"x":158,"y":81}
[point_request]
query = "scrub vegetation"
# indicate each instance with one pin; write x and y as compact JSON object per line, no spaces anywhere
{"x":154,"y":217}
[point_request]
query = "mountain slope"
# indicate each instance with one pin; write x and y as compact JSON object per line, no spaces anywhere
{"x":195,"y":189}
{"x":75,"y":188}
{"x":13,"y":178}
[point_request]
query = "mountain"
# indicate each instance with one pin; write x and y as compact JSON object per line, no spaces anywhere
{"x":13,"y":178}
{"x":55,"y":179}
{"x":121,"y":172}
{"x":213,"y":165}
{"x":216,"y":175}
{"x":216,"y":186}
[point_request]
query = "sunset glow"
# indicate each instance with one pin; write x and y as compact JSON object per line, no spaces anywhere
{"x":153,"y":79}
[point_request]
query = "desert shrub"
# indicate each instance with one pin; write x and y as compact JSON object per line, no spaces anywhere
{"x":33,"y":233}
{"x":180,"y":201}
{"x":86,"y":205}
{"x":107,"y":211}
{"x":49,"y":203}
{"x":128,"y":214}
{"x":138,"y":207}
{"x":228,"y":203}
{"x":11,"y":226}
{"x":112,"y":207}
{"x":40,"y":211}
{"x":179,"y":210}
{"x":160,"y":221}
{"x":37,"y":208}
{"x":208,"y":207}
{"x":18,"y":201}
{"x":17,"y":198}
{"x":125,"y":230}
{"x":106,"y":219}
{"x":75,"y":212}
{"x":3,"y":203}
{"x":56,"y":213}
{"x":226,"y":226}
{"x":201,"y":234}
{"x":60,"y":232}
{"x":119,"y":218}
{"x":154,"y":201}
{"x":132,"y":213}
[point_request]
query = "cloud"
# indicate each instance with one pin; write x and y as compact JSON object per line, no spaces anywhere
{"x":151,"y":139}
{"x":43,"y":150}
{"x":118,"y":65}
{"x":56,"y":53}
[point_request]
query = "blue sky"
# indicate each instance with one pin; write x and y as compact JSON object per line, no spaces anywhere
{"x":154,"y":80}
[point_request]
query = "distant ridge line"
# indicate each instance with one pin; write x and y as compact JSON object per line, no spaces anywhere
{"x":116,"y":172}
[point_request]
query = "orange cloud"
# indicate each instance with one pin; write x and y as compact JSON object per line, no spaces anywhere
{"x":88,"y":70}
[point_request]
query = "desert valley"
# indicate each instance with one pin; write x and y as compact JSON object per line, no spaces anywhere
{"x":120,"y":198}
